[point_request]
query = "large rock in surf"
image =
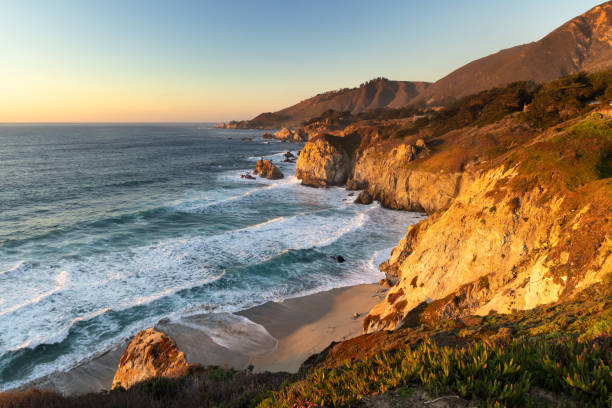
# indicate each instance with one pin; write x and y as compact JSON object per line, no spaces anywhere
{"x":266,"y":169}
{"x":288,"y":135}
{"x":324,"y":161}
{"x":284,"y":134}
{"x":150,"y":354}
{"x":364,"y":198}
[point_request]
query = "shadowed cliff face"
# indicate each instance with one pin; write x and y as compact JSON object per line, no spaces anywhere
{"x":509,"y":229}
{"x":389,"y":179}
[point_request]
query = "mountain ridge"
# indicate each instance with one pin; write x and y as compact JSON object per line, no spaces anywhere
{"x":583,"y":43}
{"x":374,"y":94}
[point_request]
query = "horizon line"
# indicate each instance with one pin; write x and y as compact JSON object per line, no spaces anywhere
{"x":108,"y":123}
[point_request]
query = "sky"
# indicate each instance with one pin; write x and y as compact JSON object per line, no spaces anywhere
{"x":208,"y":61}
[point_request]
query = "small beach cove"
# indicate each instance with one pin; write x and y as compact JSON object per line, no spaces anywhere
{"x":208,"y":257}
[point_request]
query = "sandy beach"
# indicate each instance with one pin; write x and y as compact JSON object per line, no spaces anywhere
{"x":275,"y":336}
{"x":306,"y":325}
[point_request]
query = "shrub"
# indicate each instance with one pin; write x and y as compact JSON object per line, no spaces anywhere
{"x":485,"y":372}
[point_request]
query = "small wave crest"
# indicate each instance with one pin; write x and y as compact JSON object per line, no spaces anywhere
{"x":15,"y":268}
{"x":60,"y":283}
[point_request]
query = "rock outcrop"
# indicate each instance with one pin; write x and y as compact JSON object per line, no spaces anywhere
{"x":388,"y":174}
{"x":364,"y":198}
{"x":265,"y":169}
{"x":324,"y":161}
{"x":290,"y":157}
{"x":290,"y":135}
{"x":150,"y":354}
{"x":389,"y":180}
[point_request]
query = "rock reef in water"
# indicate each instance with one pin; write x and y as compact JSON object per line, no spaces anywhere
{"x":364,"y":198}
{"x":265,"y":168}
{"x":150,"y":354}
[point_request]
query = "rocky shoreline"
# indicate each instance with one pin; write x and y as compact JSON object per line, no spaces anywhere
{"x":497,"y":239}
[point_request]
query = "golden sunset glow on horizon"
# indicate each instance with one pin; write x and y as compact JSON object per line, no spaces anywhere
{"x":123,"y":62}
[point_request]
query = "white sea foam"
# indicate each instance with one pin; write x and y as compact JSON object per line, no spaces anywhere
{"x":16,"y":267}
{"x":275,"y":156}
{"x":60,"y":282}
{"x":143,"y":275}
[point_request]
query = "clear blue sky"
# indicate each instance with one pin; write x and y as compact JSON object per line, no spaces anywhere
{"x":203,"y":60}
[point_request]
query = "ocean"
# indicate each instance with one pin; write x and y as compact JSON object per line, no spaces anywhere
{"x":106,"y":229}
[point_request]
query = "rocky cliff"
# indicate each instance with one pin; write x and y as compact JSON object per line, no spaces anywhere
{"x":326,"y":160}
{"x":509,"y":229}
{"x":497,"y":250}
{"x":390,"y":179}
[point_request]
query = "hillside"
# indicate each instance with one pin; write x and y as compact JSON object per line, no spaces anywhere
{"x":375,"y":94}
{"x":517,"y":197}
{"x":582,"y":44}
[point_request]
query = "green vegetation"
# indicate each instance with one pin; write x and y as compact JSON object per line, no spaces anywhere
{"x":493,"y":374}
{"x":201,"y":388}
{"x":568,"y":97}
{"x":573,"y":157}
{"x":544,"y":105}
{"x":483,"y":108}
{"x":540,"y":106}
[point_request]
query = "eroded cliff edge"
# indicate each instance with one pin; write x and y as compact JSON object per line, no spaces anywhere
{"x":519,"y":216}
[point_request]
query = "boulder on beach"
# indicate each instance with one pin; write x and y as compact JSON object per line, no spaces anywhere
{"x":267,"y":135}
{"x":150,"y":354}
{"x":265,"y":168}
{"x":364,"y":197}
